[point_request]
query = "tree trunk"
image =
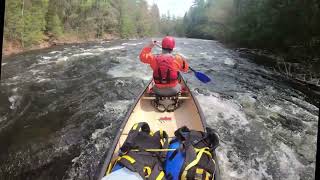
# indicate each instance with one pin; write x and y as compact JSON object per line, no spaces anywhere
{"x":22,"y":14}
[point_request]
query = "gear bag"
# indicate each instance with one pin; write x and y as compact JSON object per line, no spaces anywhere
{"x":141,"y":152}
{"x":194,"y":156}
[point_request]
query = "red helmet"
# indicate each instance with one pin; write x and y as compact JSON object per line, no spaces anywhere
{"x":168,"y":42}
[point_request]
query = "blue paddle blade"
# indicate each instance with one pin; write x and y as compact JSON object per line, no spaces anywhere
{"x":202,"y":77}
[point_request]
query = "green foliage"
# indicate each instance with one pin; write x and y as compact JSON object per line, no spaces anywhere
{"x":155,"y":23}
{"x":34,"y":24}
{"x":53,"y":23}
{"x":172,"y":26}
{"x":29,"y":21}
{"x":290,"y":27}
{"x":24,"y":21}
{"x":13,"y":20}
{"x":254,"y":23}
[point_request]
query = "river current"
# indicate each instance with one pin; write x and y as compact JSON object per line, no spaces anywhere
{"x":60,"y":109}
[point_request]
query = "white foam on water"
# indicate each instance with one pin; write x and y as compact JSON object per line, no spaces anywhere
{"x":229,"y":61}
{"x":117,"y":107}
{"x":83,"y":54}
{"x":131,"y":67}
{"x":220,"y":111}
{"x":97,"y":133}
{"x":34,"y":72}
{"x":53,"y":52}
{"x":142,"y":73}
{"x":62,"y":60}
{"x":248,"y":104}
{"x":46,"y":57}
{"x":131,"y":44}
{"x":255,"y":168}
{"x":13,"y":100}
{"x":15,"y":90}
{"x":3,"y":64}
{"x":103,"y":49}
{"x":3,"y":118}
{"x":115,"y":48}
{"x":15,"y":78}
{"x":274,"y":108}
{"x":290,"y":167}
{"x":217,"y":110}
{"x":51,"y":91}
{"x":261,"y":173}
{"x":44,"y":61}
{"x":39,"y":80}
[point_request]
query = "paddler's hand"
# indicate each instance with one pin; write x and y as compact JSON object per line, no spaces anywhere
{"x":152,"y":44}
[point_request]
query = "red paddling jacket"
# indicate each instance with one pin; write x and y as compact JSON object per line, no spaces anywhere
{"x":165,"y":67}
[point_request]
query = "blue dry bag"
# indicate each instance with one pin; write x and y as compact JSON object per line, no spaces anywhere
{"x":174,"y":160}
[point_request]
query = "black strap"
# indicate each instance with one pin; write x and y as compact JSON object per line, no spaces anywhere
{"x":182,"y":133}
{"x":168,"y":76}
{"x":160,"y":75}
{"x":213,"y":138}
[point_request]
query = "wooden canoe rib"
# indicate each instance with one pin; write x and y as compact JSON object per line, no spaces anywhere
{"x":188,"y":114}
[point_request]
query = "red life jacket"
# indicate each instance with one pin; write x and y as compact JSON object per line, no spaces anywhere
{"x":164,"y":73}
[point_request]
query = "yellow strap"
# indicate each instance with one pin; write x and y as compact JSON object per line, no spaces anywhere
{"x":151,"y":133}
{"x":193,"y":163}
{"x":161,"y":137}
{"x":148,"y":170}
{"x":162,"y":142}
{"x":130,"y":159}
{"x":199,"y":171}
{"x":208,"y":176}
{"x":134,"y":127}
{"x":206,"y":151}
{"x":160,"y":176}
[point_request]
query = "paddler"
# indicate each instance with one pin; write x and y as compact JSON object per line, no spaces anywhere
{"x":165,"y":66}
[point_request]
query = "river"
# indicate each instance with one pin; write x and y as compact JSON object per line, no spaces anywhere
{"x":60,"y":109}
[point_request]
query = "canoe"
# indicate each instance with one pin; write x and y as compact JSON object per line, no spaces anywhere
{"x":187,"y":114}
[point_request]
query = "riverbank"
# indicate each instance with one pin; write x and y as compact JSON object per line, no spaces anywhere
{"x":302,"y":76}
{"x":13,"y":47}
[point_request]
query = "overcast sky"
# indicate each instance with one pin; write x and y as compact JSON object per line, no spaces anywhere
{"x":176,"y":7}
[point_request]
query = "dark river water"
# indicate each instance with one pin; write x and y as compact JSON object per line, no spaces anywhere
{"x":60,"y":109}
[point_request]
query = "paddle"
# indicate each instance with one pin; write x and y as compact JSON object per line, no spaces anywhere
{"x":199,"y":75}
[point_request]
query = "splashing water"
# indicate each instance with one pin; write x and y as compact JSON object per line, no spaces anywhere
{"x":61,"y":108}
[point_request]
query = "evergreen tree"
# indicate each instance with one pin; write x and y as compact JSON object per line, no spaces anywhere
{"x":53,"y":23}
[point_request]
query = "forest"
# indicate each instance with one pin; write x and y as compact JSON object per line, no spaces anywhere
{"x":29,"y":22}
